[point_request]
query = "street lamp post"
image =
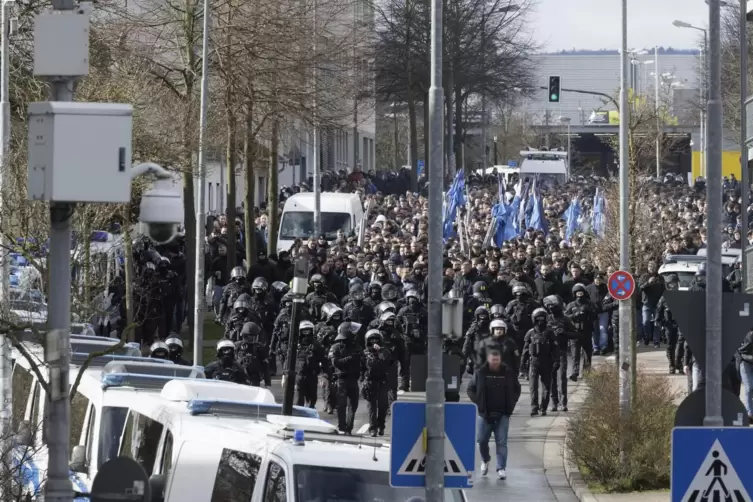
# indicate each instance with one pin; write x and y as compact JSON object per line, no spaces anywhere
{"x":704,"y":91}
{"x":496,"y":161}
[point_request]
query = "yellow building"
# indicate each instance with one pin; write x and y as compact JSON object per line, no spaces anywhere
{"x":730,"y":163}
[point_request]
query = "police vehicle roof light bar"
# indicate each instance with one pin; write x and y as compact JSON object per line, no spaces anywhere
{"x":151,"y":382}
{"x":78,"y":358}
{"x":241,"y":409}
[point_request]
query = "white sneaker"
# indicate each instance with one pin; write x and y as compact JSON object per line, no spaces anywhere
{"x":501,"y":474}
{"x":484,"y":468}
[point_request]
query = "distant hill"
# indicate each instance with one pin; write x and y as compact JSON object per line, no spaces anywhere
{"x":669,"y":51}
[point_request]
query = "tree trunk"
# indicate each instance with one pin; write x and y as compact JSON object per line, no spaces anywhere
{"x":396,"y":139}
{"x":232,"y":161}
{"x":272,"y":189}
{"x":459,"y":127}
{"x":129,"y":275}
{"x":413,"y":135}
{"x":249,"y":157}
{"x":426,"y":132}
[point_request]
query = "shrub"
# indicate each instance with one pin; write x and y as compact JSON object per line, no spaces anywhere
{"x":596,"y":432}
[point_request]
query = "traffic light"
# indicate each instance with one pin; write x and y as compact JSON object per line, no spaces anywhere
{"x":554,"y":89}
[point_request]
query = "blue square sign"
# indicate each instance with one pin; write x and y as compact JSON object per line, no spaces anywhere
{"x":408,"y":451}
{"x":712,"y":465}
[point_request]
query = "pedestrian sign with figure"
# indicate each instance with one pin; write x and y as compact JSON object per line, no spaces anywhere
{"x":707,"y":463}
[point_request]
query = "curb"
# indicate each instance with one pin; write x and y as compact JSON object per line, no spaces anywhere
{"x":574,"y":478}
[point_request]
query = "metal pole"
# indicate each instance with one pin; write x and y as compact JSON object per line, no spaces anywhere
{"x":744,"y":172}
{"x":317,"y":168}
{"x":289,"y":371}
{"x":6,"y":389}
{"x":657,"y":107}
{"x":569,"y":144}
{"x":714,"y":361}
{"x":201,"y":209}
{"x":625,"y":310}
{"x":434,"y":380}
{"x":705,"y":105}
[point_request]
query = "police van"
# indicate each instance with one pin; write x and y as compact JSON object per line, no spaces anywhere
{"x":97,"y":407}
{"x":199,"y":448}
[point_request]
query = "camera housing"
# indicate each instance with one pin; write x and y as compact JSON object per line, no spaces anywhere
{"x":161,"y":212}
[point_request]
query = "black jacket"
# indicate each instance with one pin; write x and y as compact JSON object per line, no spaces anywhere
{"x":477,"y":389}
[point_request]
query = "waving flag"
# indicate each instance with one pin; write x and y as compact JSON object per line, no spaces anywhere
{"x":455,"y":198}
{"x":538,"y":221}
{"x":522,"y":210}
{"x":571,"y":218}
{"x":599,"y":218}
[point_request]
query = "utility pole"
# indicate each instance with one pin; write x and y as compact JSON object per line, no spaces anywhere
{"x":658,"y":111}
{"x":744,"y":171}
{"x":625,"y":307}
{"x":434,"y":380}
{"x":201,"y":209}
{"x":6,"y":387}
{"x":317,"y":173}
{"x":58,"y":486}
{"x":714,"y":365}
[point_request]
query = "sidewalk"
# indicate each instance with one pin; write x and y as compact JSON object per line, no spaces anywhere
{"x":653,"y":361}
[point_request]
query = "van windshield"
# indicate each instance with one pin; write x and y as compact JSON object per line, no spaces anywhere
{"x":111,"y":428}
{"x":300,"y":225}
{"x":333,"y":484}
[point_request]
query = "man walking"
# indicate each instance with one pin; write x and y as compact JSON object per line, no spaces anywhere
{"x":495,"y":390}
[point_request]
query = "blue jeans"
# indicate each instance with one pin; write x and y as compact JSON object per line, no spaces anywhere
{"x":484,"y":432}
{"x":746,"y":373}
{"x":601,"y":331}
{"x":649,"y":332}
{"x":216,"y":297}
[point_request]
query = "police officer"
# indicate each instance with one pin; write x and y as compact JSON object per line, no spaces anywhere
{"x":539,"y":351}
{"x":318,"y":296}
{"x":357,"y":309}
{"x":225,"y":368}
{"x":278,"y":345}
{"x":474,"y":339}
{"x":175,"y":348}
{"x":326,"y":332}
{"x":666,"y":322}
{"x":168,"y":285}
{"x":240,"y":316}
{"x":279,"y":289}
{"x":230,"y":293}
{"x":159,"y":350}
{"x":497,"y":312}
{"x":583,"y":315}
{"x":252,"y":355}
{"x":499,"y":341}
{"x":565,"y":335}
{"x":412,"y":321}
{"x":480,"y":296}
{"x":346,"y":359}
{"x":518,"y":312}
{"x":310,"y":359}
{"x":375,"y":292}
{"x":376,"y":363}
{"x":263,"y":305}
{"x":396,"y":345}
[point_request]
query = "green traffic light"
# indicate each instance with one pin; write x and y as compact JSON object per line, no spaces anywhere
{"x":554,"y":97}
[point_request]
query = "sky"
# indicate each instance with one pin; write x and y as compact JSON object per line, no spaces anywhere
{"x":595,"y":24}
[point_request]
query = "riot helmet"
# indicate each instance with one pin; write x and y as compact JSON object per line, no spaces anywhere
{"x":159,"y":350}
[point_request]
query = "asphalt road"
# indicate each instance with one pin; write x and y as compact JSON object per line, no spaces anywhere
{"x":534,"y":470}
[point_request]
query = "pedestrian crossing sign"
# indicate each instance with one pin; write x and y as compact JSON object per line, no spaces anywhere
{"x":409,"y":445}
{"x":712,"y":465}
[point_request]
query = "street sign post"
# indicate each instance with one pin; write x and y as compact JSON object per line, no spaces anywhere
{"x":711,"y":465}
{"x":737,"y":320}
{"x":408,"y":446}
{"x":621,"y":285}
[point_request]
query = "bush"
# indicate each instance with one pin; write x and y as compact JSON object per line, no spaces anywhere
{"x":596,"y":431}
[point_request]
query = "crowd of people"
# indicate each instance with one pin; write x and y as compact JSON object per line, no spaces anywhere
{"x":536,"y":306}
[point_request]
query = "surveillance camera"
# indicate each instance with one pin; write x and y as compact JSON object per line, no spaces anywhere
{"x":161,"y":212}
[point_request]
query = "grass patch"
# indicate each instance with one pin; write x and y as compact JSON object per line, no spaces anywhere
{"x":597,"y":433}
{"x":208,"y":356}
{"x":212,"y":330}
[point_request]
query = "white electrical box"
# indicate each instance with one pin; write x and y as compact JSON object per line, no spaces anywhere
{"x":80,"y":152}
{"x":61,"y":43}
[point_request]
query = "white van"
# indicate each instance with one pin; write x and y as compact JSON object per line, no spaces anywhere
{"x":240,"y":450}
{"x":340,"y":212}
{"x":549,"y":166}
{"x":98,"y":410}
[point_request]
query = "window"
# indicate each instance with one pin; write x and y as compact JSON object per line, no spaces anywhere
{"x":167,"y":454}
{"x":21,"y":383}
{"x":79,"y":405}
{"x":236,"y":476}
{"x":140,"y":440}
{"x":345,"y":485}
{"x":112,"y":423}
{"x":275,"y":489}
{"x":91,"y":433}
{"x":297,"y":224}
